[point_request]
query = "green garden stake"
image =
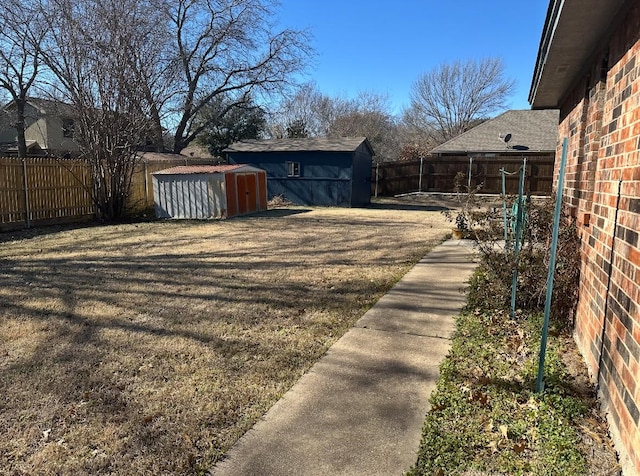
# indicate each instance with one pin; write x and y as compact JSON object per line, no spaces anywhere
{"x":552,"y":267}
{"x":516,"y":248}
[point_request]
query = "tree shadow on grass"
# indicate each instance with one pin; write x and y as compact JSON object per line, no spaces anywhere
{"x":278,"y":213}
{"x":138,"y":336}
{"x":7,"y":236}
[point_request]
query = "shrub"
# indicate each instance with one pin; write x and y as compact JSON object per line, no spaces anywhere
{"x":491,"y":286}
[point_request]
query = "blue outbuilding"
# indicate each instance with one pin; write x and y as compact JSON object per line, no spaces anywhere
{"x":311,"y":171}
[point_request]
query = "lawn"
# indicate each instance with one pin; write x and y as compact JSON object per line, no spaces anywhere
{"x":150,"y":348}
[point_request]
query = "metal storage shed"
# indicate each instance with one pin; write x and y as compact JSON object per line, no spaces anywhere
{"x":209,"y":191}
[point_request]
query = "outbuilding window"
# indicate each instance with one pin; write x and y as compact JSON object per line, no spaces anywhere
{"x":293,"y":169}
{"x":68,"y":128}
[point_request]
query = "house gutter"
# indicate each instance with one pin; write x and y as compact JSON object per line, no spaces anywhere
{"x":550,"y":25}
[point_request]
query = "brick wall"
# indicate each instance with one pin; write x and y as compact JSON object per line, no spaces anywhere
{"x":601,"y":118}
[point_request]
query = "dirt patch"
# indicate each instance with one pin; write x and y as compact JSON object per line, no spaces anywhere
{"x":150,"y":348}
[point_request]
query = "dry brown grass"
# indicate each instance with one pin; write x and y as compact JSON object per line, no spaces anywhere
{"x":150,"y":348}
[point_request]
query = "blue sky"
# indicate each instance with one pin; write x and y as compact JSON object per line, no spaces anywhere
{"x":384,"y":46}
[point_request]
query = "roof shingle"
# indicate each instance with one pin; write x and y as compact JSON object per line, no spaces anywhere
{"x":532,"y":130}
{"x":308,"y":144}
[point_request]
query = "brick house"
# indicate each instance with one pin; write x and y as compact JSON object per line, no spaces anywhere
{"x":588,"y":66}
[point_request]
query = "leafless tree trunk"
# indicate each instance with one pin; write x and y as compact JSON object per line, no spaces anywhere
{"x":446,"y":101}
{"x":94,"y":50}
{"x":21,"y":31}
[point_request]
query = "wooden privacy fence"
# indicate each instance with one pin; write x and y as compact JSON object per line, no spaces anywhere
{"x":436,"y":174}
{"x":40,"y":191}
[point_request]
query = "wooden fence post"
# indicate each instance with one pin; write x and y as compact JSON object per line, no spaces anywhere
{"x":377,"y":170}
{"x":146,"y":185}
{"x":27,"y":211}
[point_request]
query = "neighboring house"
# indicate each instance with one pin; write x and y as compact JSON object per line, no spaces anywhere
{"x":531,"y":133}
{"x":49,"y":127}
{"x":588,"y":66}
{"x":504,"y":142}
{"x":311,"y":171}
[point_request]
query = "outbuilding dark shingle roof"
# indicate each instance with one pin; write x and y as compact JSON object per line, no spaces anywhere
{"x":535,"y":131}
{"x":309,"y":144}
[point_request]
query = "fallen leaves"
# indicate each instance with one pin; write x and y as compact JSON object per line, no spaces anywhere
{"x":520,"y":447}
{"x":500,"y":440}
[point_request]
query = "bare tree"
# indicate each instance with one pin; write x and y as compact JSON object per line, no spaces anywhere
{"x":130,"y":69}
{"x":227,"y":48}
{"x":297,"y":129}
{"x":312,"y":113}
{"x":308,"y":110}
{"x":296,"y":115}
{"x":21,"y":32}
{"x":447,"y":100}
{"x":93,"y":49}
{"x":369,"y":116}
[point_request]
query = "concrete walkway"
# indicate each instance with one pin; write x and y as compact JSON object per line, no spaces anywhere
{"x":360,"y":409}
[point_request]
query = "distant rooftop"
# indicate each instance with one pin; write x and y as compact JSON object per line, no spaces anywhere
{"x":47,"y":106}
{"x":534,"y":131}
{"x":12,"y":147}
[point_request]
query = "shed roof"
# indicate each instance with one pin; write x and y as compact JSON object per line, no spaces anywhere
{"x":572,"y":32}
{"x":535,"y":131}
{"x":308,"y":144}
{"x":206,"y":169}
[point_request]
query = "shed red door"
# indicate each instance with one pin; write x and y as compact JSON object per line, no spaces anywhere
{"x":232,"y":195}
{"x":247,"y":193}
{"x":252,"y":193}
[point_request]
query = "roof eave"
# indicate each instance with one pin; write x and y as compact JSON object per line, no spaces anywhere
{"x":572,"y":33}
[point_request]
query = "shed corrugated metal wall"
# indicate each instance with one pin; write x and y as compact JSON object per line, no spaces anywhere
{"x":209,"y":192}
{"x":189,"y":196}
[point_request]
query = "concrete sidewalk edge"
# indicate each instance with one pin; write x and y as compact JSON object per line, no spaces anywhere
{"x":360,"y":409}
